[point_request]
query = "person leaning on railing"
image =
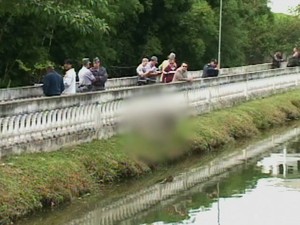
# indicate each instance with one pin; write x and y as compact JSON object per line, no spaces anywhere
{"x":181,"y":74}
{"x":165,"y":63}
{"x":277,"y":60}
{"x":169,"y":71}
{"x":53,"y":84}
{"x":100,"y":75}
{"x":141,"y":71}
{"x":69,"y":78}
{"x":211,"y":69}
{"x":151,"y":72}
{"x":295,"y":59}
{"x":86,"y":78}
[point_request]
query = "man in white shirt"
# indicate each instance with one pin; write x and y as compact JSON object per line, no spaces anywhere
{"x":86,"y":77}
{"x":69,"y":78}
{"x":141,"y":69}
{"x":150,"y":72}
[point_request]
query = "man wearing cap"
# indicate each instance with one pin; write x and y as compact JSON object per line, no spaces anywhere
{"x":165,"y":63}
{"x":86,"y":78}
{"x":53,"y":84}
{"x":69,"y":78}
{"x":100,"y":75}
{"x":151,"y":71}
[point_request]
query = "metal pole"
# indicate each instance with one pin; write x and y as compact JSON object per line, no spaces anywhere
{"x":220,"y":34}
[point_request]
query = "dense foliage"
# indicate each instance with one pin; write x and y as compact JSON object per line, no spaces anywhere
{"x":122,"y":32}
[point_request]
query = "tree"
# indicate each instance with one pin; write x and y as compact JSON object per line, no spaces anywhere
{"x":29,"y":27}
{"x":122,"y":32}
{"x":286,"y":33}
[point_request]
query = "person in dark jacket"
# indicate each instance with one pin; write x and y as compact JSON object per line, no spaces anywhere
{"x":100,"y":75}
{"x":210,"y":69}
{"x":277,"y":59}
{"x":53,"y":83}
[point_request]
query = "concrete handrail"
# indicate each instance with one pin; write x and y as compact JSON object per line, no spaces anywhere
{"x":22,"y":106}
{"x":8,"y":94}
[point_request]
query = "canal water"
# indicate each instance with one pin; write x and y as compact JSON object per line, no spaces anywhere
{"x":252,"y":184}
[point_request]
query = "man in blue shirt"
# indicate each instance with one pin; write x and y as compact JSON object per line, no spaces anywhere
{"x":53,"y":83}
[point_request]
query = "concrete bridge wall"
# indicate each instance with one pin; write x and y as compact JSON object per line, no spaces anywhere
{"x":47,"y":124}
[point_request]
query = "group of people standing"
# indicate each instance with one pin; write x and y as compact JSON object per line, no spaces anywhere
{"x":91,"y":78}
{"x":166,"y":72}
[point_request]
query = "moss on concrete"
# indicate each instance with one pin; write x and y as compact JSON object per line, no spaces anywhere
{"x":31,"y":182}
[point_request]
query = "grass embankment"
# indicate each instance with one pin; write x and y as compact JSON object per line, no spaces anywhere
{"x":30,"y":182}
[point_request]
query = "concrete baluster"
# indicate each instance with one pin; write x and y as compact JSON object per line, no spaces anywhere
{"x":80,"y":117}
{"x":90,"y":121}
{"x":33,"y":126}
{"x":84,"y":116}
{"x":58,"y":122}
{"x":74,"y":123}
{"x":10,"y":129}
{"x":109,"y":108}
{"x":208,"y":97}
{"x":44,"y":124}
{"x":73,"y":120}
{"x":49,"y":124}
{"x":39,"y":125}
{"x":104,"y":114}
{"x":102,"y":132}
{"x":64,"y":121}
{"x":55,"y":122}
{"x":16,"y":129}
{"x":113,"y":112}
{"x":1,"y":131}
{"x":91,"y":117}
{"x":28,"y":126}
{"x":22,"y":128}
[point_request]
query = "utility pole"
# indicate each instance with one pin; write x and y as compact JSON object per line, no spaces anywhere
{"x":220,"y":34}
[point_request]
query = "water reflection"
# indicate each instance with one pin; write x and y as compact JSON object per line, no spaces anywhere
{"x":284,"y":163}
{"x":209,"y":194}
{"x":253,"y":195}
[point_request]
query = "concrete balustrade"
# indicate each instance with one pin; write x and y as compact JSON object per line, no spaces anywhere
{"x":245,"y":69}
{"x":46,"y":124}
{"x":36,"y":91}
